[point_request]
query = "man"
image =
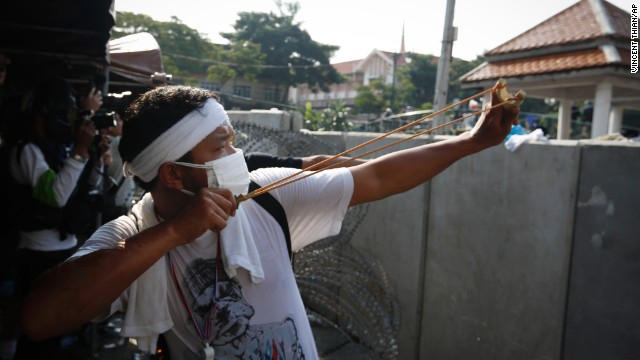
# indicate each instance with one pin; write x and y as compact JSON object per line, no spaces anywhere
{"x":44,"y":185}
{"x":191,"y":263}
{"x":120,"y":190}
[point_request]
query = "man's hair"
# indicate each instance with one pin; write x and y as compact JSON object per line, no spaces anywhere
{"x":153,"y":113}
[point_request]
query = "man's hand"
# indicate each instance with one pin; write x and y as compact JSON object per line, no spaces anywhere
{"x":494,"y":125}
{"x":85,"y":134}
{"x":92,"y":100}
{"x":208,"y":210}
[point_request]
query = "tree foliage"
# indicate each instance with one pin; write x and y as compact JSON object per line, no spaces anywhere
{"x":334,"y":118}
{"x":238,"y":59}
{"x":417,"y":79}
{"x":458,"y":69}
{"x":181,"y":45}
{"x":373,"y":98}
{"x":293,"y":57}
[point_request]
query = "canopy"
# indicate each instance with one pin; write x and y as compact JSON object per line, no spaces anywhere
{"x":64,"y":37}
{"x":136,"y":57}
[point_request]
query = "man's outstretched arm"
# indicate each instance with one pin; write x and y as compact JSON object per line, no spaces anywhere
{"x":403,"y":170}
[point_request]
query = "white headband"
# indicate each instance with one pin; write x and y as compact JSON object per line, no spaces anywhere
{"x":177,"y":140}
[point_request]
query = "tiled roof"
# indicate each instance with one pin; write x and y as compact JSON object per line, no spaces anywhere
{"x":543,"y":64}
{"x":577,"y":23}
{"x":346,"y":67}
{"x":620,"y":20}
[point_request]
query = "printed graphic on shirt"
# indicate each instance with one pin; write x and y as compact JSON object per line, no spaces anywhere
{"x":233,"y":335}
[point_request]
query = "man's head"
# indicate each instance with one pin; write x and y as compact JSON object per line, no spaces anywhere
{"x":164,"y":125}
{"x":53,"y":104}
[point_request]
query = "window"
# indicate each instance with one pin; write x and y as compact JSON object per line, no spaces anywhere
{"x":271,"y":94}
{"x":242,"y":90}
{"x":208,"y":85}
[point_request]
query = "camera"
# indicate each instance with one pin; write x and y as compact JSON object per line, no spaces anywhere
{"x":160,"y":78}
{"x":104,"y":119}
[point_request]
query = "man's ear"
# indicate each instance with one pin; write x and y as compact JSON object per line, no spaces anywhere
{"x":171,"y":175}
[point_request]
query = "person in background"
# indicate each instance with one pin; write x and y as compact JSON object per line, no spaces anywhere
{"x":47,"y":163}
{"x":8,"y":249}
{"x":120,"y":190}
{"x":211,"y":274}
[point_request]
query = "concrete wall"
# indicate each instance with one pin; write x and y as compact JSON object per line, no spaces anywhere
{"x":533,"y":254}
{"x":273,"y":119}
{"x":526,"y":255}
{"x":603,"y":313}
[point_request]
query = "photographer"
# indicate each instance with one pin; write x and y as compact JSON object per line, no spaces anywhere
{"x":90,"y":198}
{"x":120,"y":190}
{"x":51,"y":167}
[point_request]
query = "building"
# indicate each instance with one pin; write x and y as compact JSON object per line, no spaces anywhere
{"x":378,"y":64}
{"x":581,"y":53}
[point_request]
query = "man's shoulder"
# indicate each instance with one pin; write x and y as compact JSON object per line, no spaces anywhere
{"x":265,"y":176}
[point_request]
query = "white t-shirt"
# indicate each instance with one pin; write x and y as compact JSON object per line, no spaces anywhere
{"x":28,"y":171}
{"x":265,"y":320}
{"x":126,"y":186}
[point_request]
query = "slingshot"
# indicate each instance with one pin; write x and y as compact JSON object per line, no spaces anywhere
{"x":505,"y":99}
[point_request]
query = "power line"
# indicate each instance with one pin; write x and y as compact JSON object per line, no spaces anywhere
{"x":262,"y":66}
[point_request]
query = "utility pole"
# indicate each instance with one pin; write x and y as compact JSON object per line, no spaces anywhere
{"x":393,"y":76}
{"x":449,"y":35}
{"x":393,"y":82}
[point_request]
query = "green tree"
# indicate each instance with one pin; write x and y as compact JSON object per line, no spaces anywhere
{"x":182,"y":46}
{"x":373,"y":98}
{"x":243,"y":59}
{"x":418,"y":79}
{"x":189,"y":54}
{"x":334,"y":118}
{"x":460,"y":67}
{"x":293,"y":57}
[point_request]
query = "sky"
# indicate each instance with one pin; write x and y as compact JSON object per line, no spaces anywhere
{"x":358,"y":27}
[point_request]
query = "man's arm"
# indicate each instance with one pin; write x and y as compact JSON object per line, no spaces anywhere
{"x":256,"y":160}
{"x":341,"y":161}
{"x":403,"y":170}
{"x":77,"y":290}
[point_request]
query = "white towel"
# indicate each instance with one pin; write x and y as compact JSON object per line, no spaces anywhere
{"x":147,"y":313}
{"x":239,"y":249}
{"x":513,"y":143}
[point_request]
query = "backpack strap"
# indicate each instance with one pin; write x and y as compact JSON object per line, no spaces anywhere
{"x":273,"y":207}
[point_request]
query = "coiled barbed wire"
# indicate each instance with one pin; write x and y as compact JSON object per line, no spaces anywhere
{"x":342,"y":287}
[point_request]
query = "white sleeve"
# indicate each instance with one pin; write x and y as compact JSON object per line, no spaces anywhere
{"x":108,"y":236}
{"x":33,"y":165}
{"x":315,"y":206}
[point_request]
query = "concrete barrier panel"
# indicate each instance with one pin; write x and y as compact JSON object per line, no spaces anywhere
{"x":498,"y":250}
{"x":394,"y":232}
{"x":603,"y":316}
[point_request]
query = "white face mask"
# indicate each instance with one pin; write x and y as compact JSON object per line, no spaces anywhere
{"x":229,"y":172}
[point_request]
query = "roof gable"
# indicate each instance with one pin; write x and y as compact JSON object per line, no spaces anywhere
{"x":347,"y":67}
{"x":583,"y":21}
